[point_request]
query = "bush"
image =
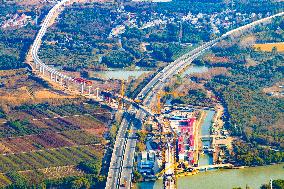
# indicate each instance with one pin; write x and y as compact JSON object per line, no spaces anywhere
{"x":118,"y":59}
{"x":91,"y":167}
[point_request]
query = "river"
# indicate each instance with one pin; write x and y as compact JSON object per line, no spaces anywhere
{"x":125,"y":74}
{"x":120,"y":74}
{"x":206,"y":158}
{"x":195,"y":69}
{"x":254,"y":177}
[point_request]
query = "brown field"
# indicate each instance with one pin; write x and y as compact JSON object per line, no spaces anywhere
{"x":210,"y":73}
{"x":60,"y":130}
{"x":20,"y":88}
{"x":269,"y":46}
{"x":216,"y":59}
{"x":54,"y":126}
{"x":36,"y":142}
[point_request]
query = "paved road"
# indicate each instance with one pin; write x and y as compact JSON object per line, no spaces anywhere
{"x":127,"y":169}
{"x":117,"y":156}
{"x":126,"y":174}
{"x":161,"y":78}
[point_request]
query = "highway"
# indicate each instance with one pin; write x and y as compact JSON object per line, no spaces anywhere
{"x":121,"y":166}
{"x":179,"y":64}
{"x":117,"y":156}
{"x":127,"y":168}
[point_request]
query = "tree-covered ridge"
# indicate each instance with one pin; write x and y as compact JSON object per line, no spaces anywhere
{"x":81,"y":39}
{"x":15,"y":42}
{"x":247,"y":105}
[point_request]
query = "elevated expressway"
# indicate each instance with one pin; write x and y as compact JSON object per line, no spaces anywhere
{"x":159,"y":81}
{"x":124,"y":149}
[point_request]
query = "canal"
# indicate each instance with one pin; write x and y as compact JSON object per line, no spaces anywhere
{"x":206,"y":158}
{"x":254,"y":177}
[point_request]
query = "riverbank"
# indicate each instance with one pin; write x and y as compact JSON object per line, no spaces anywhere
{"x":254,"y":177}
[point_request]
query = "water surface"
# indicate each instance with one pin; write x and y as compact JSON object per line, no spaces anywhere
{"x":120,"y":74}
{"x":254,"y":177}
{"x":195,"y":69}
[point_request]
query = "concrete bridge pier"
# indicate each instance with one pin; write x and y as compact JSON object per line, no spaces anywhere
{"x":66,"y":81}
{"x":61,"y":80}
{"x":56,"y":78}
{"x":41,"y":69}
{"x":97,"y":92}
{"x":36,"y":65}
{"x":82,"y":88}
{"x":90,"y":87}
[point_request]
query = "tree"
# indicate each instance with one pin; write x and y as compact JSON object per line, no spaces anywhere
{"x":80,"y":183}
{"x":274,"y":50}
{"x":265,"y":186}
{"x":91,"y":167}
{"x":2,"y":114}
{"x":17,"y":125}
{"x":137,"y":176}
{"x":278,"y":184}
{"x":118,"y":59}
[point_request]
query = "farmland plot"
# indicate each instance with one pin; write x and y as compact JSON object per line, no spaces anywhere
{"x":46,"y":158}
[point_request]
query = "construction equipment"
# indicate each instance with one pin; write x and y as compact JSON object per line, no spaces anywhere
{"x":159,"y":96}
{"x":137,"y":100}
{"x":151,"y":132}
{"x":83,"y":81}
{"x":164,"y":170}
{"x":180,"y":167}
{"x":123,"y":182}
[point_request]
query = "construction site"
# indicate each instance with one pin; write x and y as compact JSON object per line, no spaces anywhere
{"x":192,"y":139}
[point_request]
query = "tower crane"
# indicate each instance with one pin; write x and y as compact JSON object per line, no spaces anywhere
{"x":122,"y":93}
{"x":159,"y":96}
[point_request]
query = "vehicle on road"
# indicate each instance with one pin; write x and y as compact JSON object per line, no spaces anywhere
{"x":123,"y":182}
